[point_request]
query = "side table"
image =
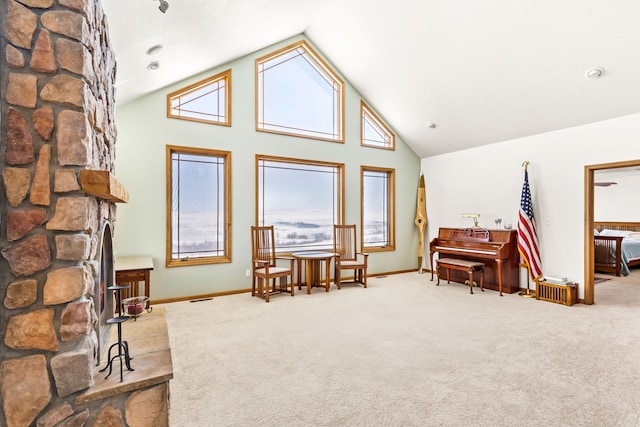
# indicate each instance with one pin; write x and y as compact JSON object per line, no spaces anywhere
{"x":133,"y":270}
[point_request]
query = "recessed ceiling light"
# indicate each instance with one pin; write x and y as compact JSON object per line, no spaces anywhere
{"x":155,"y":65}
{"x":154,"y":50}
{"x":594,"y":73}
{"x":430,"y":125}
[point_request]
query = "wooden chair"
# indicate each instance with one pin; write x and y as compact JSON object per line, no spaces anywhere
{"x":264,"y":269}
{"x":347,"y":255}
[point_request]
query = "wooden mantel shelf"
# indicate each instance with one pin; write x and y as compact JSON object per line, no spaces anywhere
{"x":104,"y":185}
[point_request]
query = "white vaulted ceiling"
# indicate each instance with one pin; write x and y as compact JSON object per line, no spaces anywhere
{"x":483,"y":71}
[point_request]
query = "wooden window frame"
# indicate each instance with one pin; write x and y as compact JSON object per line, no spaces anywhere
{"x":340,"y":168}
{"x":391,"y":195}
{"x":367,"y":114}
{"x":226,"y":76}
{"x":322,"y":65}
{"x":226,"y":258}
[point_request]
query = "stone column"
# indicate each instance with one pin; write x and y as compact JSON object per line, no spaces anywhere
{"x":57,"y":73}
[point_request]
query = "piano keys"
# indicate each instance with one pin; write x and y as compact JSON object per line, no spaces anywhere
{"x":497,"y":249}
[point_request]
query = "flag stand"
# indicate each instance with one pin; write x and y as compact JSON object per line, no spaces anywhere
{"x":528,"y":293}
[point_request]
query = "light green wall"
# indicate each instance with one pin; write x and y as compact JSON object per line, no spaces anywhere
{"x":144,"y":131}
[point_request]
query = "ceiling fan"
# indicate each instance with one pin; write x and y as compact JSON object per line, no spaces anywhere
{"x":605,"y":183}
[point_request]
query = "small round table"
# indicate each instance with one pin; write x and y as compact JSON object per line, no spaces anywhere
{"x":313,"y":268}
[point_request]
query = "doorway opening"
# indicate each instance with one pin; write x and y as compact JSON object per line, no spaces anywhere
{"x":589,"y":181}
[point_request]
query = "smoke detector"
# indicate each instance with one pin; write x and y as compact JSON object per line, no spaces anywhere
{"x":594,"y":73}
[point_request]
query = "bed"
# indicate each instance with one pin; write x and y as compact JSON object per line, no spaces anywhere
{"x":617,"y":247}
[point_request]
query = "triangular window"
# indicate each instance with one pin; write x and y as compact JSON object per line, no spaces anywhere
{"x":207,"y":101}
{"x":374,"y":132}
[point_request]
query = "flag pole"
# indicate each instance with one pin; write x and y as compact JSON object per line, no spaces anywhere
{"x":528,"y":293}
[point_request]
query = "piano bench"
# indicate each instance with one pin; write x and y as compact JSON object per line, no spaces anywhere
{"x":461,"y":265}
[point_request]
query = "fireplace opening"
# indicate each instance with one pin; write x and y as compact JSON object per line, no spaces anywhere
{"x":103,"y":302}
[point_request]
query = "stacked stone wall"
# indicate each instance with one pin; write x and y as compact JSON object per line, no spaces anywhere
{"x":57,"y":73}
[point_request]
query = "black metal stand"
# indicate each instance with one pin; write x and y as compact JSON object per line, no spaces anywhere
{"x":123,"y":346}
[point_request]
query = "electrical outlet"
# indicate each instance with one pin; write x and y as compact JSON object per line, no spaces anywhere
{"x":247,"y":273}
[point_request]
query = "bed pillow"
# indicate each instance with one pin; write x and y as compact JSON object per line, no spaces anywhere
{"x":596,"y":232}
{"x":615,"y":233}
{"x":634,"y":235}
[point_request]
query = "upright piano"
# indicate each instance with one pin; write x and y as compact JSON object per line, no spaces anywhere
{"x":497,"y":249}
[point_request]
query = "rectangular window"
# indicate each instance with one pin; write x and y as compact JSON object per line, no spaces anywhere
{"x":198,"y":206}
{"x":302,"y":199}
{"x":378,"y":208}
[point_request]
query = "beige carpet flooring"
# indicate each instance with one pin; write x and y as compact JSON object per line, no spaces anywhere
{"x":407,"y":353}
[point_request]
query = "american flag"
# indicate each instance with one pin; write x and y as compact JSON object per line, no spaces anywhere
{"x":527,"y":236}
